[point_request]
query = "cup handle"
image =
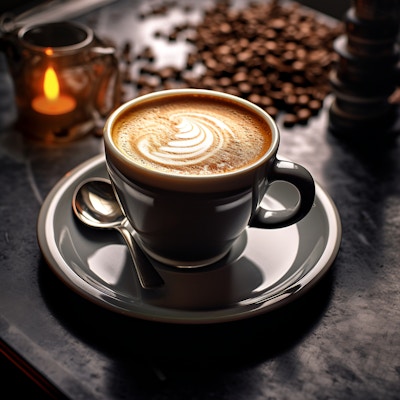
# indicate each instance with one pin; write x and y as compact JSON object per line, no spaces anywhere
{"x":299,"y":177}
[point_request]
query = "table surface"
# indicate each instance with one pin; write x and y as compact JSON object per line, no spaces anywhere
{"x":339,"y":340}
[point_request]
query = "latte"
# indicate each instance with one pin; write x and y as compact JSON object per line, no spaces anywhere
{"x":191,"y":135}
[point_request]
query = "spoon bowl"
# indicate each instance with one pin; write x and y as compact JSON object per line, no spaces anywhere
{"x":95,"y":204}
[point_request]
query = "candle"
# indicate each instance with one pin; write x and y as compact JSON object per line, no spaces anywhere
{"x":52,"y":102}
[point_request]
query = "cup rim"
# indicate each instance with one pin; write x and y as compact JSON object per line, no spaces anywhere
{"x":181,"y":178}
{"x":57,"y":49}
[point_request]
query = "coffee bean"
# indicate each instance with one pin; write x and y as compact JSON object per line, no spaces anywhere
{"x":245,"y":88}
{"x":225,"y":81}
{"x":277,"y":24}
{"x":254,"y":98}
{"x":126,"y":54}
{"x":290,"y":120}
{"x":239,"y":77}
{"x":191,"y":60}
{"x":168,"y":73}
{"x":290,"y":102}
{"x":314,"y":106}
{"x":172,"y":36}
{"x":272,"y":111}
{"x":265,"y":102}
{"x":126,"y":75}
{"x":148,"y":69}
{"x":303,"y":115}
{"x":303,"y":100}
{"x":146,"y":54}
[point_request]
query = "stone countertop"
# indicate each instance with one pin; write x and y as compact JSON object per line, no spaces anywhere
{"x":339,"y":340}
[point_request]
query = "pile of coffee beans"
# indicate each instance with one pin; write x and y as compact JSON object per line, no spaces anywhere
{"x":278,"y":56}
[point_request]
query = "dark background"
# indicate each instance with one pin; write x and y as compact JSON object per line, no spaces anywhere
{"x":334,"y":8}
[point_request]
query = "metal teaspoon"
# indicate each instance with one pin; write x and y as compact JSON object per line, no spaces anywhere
{"x":95,"y":204}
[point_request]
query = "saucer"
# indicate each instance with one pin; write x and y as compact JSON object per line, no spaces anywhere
{"x":264,"y":270}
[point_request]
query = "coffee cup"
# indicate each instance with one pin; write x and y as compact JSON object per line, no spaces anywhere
{"x":190,"y":168}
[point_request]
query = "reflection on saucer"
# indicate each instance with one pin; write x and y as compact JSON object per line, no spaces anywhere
{"x":108,"y":263}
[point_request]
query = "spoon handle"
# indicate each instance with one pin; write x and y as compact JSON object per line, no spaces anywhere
{"x":148,"y":276}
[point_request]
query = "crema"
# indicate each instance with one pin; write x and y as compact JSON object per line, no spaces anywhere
{"x":192,"y":135}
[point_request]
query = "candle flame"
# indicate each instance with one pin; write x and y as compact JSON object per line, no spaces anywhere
{"x":51,"y":86}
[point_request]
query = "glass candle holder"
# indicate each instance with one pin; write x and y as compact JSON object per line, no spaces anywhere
{"x":66,"y":80}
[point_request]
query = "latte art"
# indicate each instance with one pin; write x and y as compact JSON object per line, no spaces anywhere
{"x":191,"y":135}
{"x":195,"y":137}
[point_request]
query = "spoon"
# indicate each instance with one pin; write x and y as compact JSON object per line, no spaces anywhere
{"x":95,"y":204}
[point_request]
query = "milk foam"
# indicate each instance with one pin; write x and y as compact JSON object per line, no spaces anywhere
{"x":192,"y":136}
